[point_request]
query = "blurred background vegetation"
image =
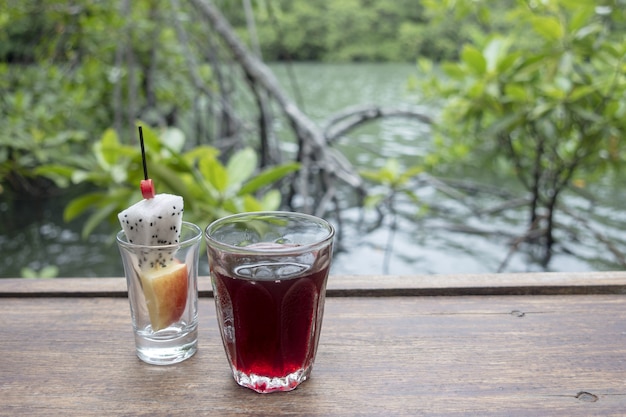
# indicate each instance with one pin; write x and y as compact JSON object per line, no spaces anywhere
{"x":535,"y":89}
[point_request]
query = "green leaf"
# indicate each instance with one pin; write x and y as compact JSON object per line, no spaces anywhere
{"x":233,"y":205}
{"x":453,"y":70}
{"x":587,"y":114}
{"x":79,"y":176}
{"x":98,"y":217}
{"x":268,"y":176}
{"x":507,"y":62}
{"x":173,"y":138}
{"x":503,"y":124}
{"x":540,"y":110}
{"x":590,"y":30}
{"x":164,"y":175}
{"x":515,"y":92}
{"x":271,"y":200}
{"x":199,"y":153}
{"x":548,"y":27}
{"x":581,"y":91}
{"x":60,"y":174}
{"x":477,"y":90}
{"x":474,"y":59}
{"x":372,"y":201}
{"x":49,"y":271}
{"x":119,"y":174}
{"x":251,"y":204}
{"x":108,"y":147}
{"x":80,"y":204}
{"x":390,"y":172}
{"x":580,"y":17}
{"x":54,"y":170}
{"x":410,"y":173}
{"x":151,"y":141}
{"x":27,"y":272}
{"x":241,"y":166}
{"x":373,"y":176}
{"x":425,"y":65}
{"x":494,"y":53}
{"x":615,"y":109}
{"x":215,"y":173}
{"x":553,"y":91}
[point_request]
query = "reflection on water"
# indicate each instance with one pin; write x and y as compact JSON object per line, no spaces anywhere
{"x":33,"y":234}
{"x":421,"y":245}
{"x":450,"y":242}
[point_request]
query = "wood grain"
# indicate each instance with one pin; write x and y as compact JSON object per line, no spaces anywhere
{"x":549,"y":283}
{"x":549,"y":355}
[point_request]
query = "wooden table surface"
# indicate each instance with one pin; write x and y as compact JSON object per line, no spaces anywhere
{"x":538,"y":344}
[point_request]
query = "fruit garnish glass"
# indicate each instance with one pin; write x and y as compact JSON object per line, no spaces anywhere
{"x":163,"y":295}
{"x":269,"y":273}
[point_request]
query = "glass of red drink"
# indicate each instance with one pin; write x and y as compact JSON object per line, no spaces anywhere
{"x":269,"y":272}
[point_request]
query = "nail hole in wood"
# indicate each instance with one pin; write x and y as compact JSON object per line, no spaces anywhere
{"x":587,"y":396}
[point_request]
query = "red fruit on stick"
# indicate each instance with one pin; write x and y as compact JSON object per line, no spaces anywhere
{"x":147,"y":188}
{"x":146,"y":185}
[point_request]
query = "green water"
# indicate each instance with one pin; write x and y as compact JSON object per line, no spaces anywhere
{"x":33,"y":234}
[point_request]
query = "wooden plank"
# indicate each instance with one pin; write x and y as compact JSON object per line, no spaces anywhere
{"x":63,"y":287}
{"x":437,"y":356}
{"x":552,"y":283}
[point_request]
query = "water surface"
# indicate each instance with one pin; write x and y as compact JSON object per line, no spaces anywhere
{"x":431,"y":238}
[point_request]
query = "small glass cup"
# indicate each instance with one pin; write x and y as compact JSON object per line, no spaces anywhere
{"x":269,"y":273}
{"x":164,"y":301}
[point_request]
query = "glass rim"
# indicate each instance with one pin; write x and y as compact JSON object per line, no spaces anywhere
{"x":327,"y":239}
{"x":196,"y":230}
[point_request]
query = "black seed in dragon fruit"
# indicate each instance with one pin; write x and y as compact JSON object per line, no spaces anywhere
{"x":154,"y":222}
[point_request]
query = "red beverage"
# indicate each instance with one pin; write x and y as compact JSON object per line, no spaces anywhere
{"x":270,"y":325}
{"x":269,"y":271}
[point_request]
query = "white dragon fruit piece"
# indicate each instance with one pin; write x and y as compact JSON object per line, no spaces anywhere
{"x":154,"y":222}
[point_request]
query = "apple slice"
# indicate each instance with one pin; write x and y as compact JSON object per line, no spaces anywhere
{"x":165,"y":290}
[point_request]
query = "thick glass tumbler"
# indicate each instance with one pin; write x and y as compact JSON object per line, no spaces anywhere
{"x":269,"y":273}
{"x":163,"y":295}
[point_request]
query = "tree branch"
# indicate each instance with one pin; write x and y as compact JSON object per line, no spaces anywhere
{"x":353,"y":117}
{"x":256,"y":70}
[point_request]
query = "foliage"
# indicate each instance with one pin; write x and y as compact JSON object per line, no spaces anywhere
{"x":52,"y":85}
{"x":64,"y":79}
{"x":348,"y":30}
{"x":393,"y":181}
{"x":549,"y":96}
{"x":50,"y":271}
{"x":45,"y":115}
{"x":209,"y":188}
